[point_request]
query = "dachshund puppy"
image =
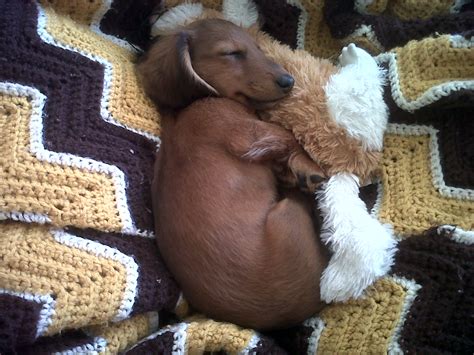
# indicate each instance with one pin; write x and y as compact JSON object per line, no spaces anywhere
{"x":243,"y":249}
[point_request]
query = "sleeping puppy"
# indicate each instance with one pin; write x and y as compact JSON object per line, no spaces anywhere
{"x":243,"y":249}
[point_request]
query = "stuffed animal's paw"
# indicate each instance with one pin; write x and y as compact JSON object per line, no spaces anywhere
{"x":353,"y":268}
{"x":342,"y":281}
{"x":362,"y":248}
{"x":354,"y":55}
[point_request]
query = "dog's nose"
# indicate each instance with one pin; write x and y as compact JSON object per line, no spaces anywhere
{"x":286,"y":82}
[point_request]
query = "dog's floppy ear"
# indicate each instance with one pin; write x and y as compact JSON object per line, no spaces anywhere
{"x":167,"y":73}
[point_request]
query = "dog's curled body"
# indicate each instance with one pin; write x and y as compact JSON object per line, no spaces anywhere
{"x":240,"y":253}
{"x":231,"y":224}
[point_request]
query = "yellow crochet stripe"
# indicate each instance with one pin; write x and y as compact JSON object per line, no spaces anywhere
{"x":128,"y":103}
{"x":87,"y":289}
{"x":364,"y":326}
{"x":409,"y":9}
{"x":317,"y":37}
{"x":377,"y":7}
{"x":207,"y":335}
{"x":430,"y":62}
{"x":66,"y":195}
{"x":122,"y":335}
{"x":81,"y":11}
{"x":418,"y":9}
{"x":410,"y":203}
{"x":209,"y":4}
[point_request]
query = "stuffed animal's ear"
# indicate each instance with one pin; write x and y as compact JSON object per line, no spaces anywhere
{"x":167,"y":73}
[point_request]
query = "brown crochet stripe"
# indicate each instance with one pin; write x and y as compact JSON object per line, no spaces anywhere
{"x":73,"y":87}
{"x":162,"y":344}
{"x":57,"y":343}
{"x":369,"y":195}
{"x":296,"y":338}
{"x":455,"y":126}
{"x":128,"y":20}
{"x":440,"y":319}
{"x":280,"y":20}
{"x":391,"y":32}
{"x":18,"y":320}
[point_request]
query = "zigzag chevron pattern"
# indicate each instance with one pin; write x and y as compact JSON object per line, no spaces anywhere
{"x":73,"y":87}
{"x":80,"y":278}
{"x":79,"y":138}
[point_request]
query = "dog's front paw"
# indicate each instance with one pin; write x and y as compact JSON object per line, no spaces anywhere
{"x":355,"y":55}
{"x":309,"y":176}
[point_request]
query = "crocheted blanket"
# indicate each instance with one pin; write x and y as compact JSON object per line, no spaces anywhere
{"x":79,"y":269}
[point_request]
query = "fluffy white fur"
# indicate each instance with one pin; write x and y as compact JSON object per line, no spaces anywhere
{"x":177,"y":16}
{"x":355,"y":97}
{"x":241,"y":12}
{"x":362,"y":248}
{"x":361,"y":6}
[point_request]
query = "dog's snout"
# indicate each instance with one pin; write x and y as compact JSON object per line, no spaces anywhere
{"x":286,"y":82}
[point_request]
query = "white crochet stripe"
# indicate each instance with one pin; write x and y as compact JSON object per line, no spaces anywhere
{"x":179,"y":337}
{"x":374,"y":212}
{"x":378,"y":201}
{"x":47,"y":311}
{"x":302,"y":21}
{"x":360,"y":6}
{"x":457,"y":234}
{"x":366,"y":31}
{"x":412,"y":289}
{"x":317,"y":325}
{"x":108,"y":75}
{"x":104,"y":251}
{"x":97,"y":346}
{"x":458,"y":41}
{"x":431,"y":95}
{"x":436,"y":169}
{"x":87,"y":164}
{"x":95,"y":26}
{"x":253,"y":342}
{"x":28,"y":217}
{"x":456,"y":6}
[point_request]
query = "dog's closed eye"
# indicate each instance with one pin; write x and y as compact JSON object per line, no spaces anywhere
{"x":236,"y":53}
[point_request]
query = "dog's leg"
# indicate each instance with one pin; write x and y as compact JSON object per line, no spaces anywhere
{"x":260,"y":141}
{"x":287,"y":222}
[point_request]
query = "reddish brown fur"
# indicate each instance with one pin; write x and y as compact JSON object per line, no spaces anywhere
{"x":244,"y":74}
{"x":305,"y":113}
{"x":241,"y":251}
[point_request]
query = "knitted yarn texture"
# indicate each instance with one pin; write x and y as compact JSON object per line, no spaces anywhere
{"x":79,"y":269}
